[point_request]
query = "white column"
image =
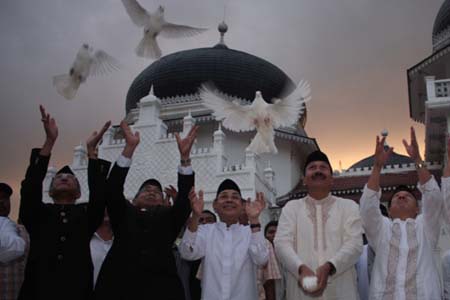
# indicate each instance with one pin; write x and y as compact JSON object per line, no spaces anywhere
{"x":431,"y":89}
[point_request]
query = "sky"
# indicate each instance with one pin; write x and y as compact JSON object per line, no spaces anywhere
{"x":355,"y":54}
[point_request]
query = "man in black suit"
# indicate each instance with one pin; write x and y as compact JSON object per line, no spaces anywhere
{"x":59,"y":264}
{"x":140,"y":264}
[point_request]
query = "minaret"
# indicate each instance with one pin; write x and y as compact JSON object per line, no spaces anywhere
{"x":79,"y":157}
{"x":188,"y":123}
{"x":219,"y":148}
{"x":149,"y":110}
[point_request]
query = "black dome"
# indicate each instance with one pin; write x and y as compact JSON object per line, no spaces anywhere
{"x":394,"y":159}
{"x":442,"y":20}
{"x":235,"y":73}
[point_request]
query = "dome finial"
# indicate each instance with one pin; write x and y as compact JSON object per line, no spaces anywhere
{"x":223,"y":28}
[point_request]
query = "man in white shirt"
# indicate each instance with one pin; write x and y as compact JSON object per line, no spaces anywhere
{"x":12,"y":245}
{"x":406,"y":263}
{"x":446,"y":216}
{"x":320,"y":237}
{"x":14,"y":242}
{"x":231,"y":252}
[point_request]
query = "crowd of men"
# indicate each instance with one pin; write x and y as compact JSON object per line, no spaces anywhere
{"x":170,"y":247}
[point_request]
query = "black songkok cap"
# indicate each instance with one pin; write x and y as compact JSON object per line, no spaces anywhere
{"x":403,"y":188}
{"x":66,"y":170}
{"x":317,"y":156}
{"x":6,"y":189}
{"x":151,"y":181}
{"x":228,"y":184}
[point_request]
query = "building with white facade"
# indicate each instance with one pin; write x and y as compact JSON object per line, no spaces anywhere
{"x":163,"y":99}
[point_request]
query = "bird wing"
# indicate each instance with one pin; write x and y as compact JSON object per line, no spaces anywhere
{"x":172,"y":31}
{"x":103,"y":63}
{"x":287,"y":111}
{"x":234,"y":116}
{"x":137,"y":13}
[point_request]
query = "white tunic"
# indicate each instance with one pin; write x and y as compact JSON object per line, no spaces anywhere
{"x":230,"y":259}
{"x":445,"y":182}
{"x":446,"y":274}
{"x":12,"y":245}
{"x":406,"y":255}
{"x":312,"y":232}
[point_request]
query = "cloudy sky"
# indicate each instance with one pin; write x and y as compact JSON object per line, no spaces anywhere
{"x":355,"y":53}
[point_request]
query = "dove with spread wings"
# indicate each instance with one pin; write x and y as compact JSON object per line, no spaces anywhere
{"x":87,"y":63}
{"x":154,"y":25}
{"x":260,"y":115}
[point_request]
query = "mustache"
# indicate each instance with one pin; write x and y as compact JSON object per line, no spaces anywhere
{"x":318,"y":175}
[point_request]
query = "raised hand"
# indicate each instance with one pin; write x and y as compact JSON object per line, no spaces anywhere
{"x":94,"y":139}
{"x":197,"y":202}
{"x":51,"y":132}
{"x":254,"y":208}
{"x":131,"y":139}
{"x":171,"y":193}
{"x":381,"y":154}
{"x":185,"y":144}
{"x":413,"y":148}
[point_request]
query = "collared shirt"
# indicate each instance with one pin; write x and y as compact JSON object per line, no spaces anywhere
{"x":230,"y":258}
{"x":406,"y":258}
{"x":270,"y":271}
{"x":313,"y":232}
{"x":99,"y":250}
{"x":12,"y":246}
{"x":12,"y":272}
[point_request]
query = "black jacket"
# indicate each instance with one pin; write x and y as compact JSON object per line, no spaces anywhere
{"x":59,"y":264}
{"x":140,"y":264}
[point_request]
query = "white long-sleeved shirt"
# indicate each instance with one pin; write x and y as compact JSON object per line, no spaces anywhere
{"x":313,"y":232}
{"x":446,"y":274}
{"x":12,"y":246}
{"x":230,"y":255}
{"x":99,"y":250}
{"x":445,"y":183}
{"x":406,"y":261}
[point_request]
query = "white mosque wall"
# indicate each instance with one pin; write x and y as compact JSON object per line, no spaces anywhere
{"x":216,"y":155}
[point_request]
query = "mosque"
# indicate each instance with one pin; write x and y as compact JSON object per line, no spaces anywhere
{"x":163,"y":99}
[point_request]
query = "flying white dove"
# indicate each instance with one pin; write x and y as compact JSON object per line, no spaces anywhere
{"x":87,"y":62}
{"x":260,"y":115}
{"x":154,"y":25}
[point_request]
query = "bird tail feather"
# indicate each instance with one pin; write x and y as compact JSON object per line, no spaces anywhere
{"x":258,"y":145}
{"x":66,"y":86}
{"x":148,"y":47}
